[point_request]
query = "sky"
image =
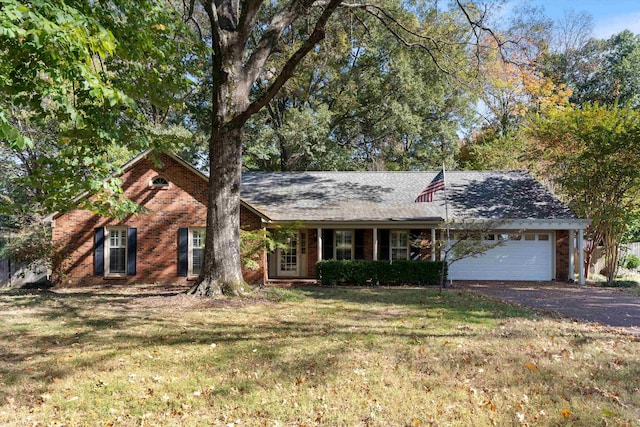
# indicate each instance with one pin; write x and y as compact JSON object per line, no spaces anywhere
{"x":609,"y":16}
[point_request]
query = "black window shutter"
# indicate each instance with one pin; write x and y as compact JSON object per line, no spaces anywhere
{"x":132,"y":250}
{"x":98,"y":251}
{"x":183,"y":251}
{"x":383,"y":237}
{"x":359,"y":244}
{"x":414,"y":252}
{"x":327,"y":243}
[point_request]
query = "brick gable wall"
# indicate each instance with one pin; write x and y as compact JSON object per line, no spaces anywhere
{"x":562,"y":255}
{"x":182,"y":204}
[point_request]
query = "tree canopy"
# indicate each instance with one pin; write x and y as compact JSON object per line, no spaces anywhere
{"x":83,"y":90}
{"x":592,"y":154}
{"x":290,"y":85}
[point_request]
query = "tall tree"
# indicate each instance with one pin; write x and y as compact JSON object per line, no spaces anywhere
{"x":337,"y":113}
{"x":82,"y":88}
{"x":62,"y":65}
{"x":602,"y":71}
{"x":512,"y":87}
{"x":593,"y":152}
{"x":244,"y":38}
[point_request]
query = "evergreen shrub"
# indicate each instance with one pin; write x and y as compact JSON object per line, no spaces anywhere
{"x":386,"y":273}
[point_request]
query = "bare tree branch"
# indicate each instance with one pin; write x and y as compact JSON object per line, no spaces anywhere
{"x":248,"y":16}
{"x":189,"y":10}
{"x":287,"y":71}
{"x":218,"y":40}
{"x":271,"y":38}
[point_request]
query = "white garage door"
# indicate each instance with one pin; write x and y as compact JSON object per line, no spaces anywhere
{"x":525,"y":257}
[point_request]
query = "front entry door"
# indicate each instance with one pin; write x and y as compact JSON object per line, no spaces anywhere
{"x":288,"y":258}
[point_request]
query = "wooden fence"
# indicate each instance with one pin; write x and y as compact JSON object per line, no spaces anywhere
{"x":631,"y":248}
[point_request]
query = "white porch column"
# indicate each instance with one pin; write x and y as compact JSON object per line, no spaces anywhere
{"x":319,"y":244}
{"x":375,"y":244}
{"x":581,"y":256}
{"x":572,"y":275}
{"x":433,"y":244}
{"x":265,"y":262}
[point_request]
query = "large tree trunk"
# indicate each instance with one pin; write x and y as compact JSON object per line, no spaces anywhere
{"x":222,"y":266}
{"x":233,"y":74}
{"x":221,"y":271}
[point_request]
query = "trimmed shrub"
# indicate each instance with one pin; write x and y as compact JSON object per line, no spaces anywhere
{"x":631,"y":262}
{"x":365,"y":272}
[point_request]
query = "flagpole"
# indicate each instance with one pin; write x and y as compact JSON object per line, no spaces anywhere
{"x":446,"y":218}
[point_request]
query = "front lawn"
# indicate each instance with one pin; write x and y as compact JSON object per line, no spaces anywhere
{"x":387,"y":357}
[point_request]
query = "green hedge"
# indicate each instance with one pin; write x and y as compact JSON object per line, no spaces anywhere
{"x":364,"y":272}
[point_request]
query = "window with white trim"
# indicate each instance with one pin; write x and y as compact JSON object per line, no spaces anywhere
{"x":343,"y":248}
{"x":116,"y":251}
{"x":399,"y":244}
{"x":196,"y":250}
{"x":303,"y":242}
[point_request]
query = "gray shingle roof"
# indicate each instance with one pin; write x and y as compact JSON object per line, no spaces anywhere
{"x":389,"y":196}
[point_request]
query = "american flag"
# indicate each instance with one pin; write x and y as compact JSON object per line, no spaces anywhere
{"x":436,"y":184}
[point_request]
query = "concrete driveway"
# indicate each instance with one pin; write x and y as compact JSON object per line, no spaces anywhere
{"x":607,"y":306}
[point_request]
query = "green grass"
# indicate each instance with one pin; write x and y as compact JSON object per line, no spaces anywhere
{"x":386,"y":357}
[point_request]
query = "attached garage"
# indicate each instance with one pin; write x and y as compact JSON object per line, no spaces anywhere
{"x":526,"y":256}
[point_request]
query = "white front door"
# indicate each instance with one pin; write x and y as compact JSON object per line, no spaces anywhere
{"x":529,"y":257}
{"x":288,"y":258}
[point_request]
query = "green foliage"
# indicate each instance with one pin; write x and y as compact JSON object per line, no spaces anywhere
{"x":610,"y":72}
{"x":29,"y":246}
{"x":632,"y":232}
{"x":336,"y":112}
{"x":490,"y":149}
{"x":631,"y":262}
{"x":48,"y":65}
{"x":254,"y":242}
{"x":606,"y":72}
{"x":592,"y":154}
{"x":365,"y":272}
{"x":85,"y":87}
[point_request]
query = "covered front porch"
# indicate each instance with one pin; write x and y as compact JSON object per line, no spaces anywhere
{"x":310,"y":245}
{"x":535,"y":254}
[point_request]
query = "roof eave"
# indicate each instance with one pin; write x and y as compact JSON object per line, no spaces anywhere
{"x":496,"y":224}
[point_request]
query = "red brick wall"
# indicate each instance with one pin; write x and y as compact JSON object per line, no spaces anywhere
{"x":183,"y":204}
{"x":562,"y":255}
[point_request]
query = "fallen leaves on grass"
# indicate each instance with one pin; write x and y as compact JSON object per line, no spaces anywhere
{"x":602,"y":392}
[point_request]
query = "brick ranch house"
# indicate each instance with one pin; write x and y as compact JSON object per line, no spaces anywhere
{"x":341,"y":215}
